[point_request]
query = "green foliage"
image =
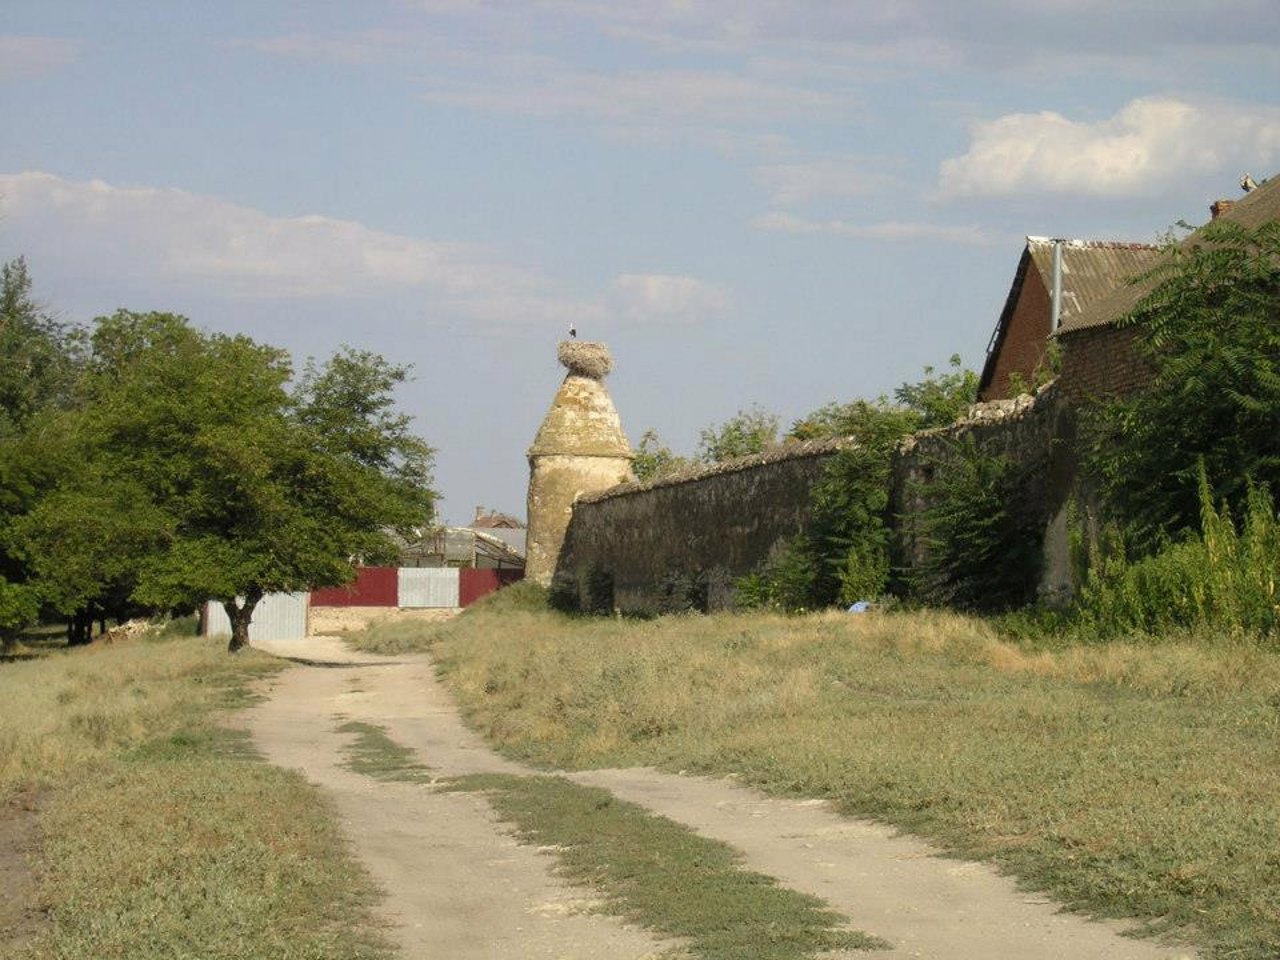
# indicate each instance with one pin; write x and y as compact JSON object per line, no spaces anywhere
{"x":1223,"y":577}
{"x":978,"y":549}
{"x":39,"y":356}
{"x":653,"y":459}
{"x":1047,"y":369}
{"x":785,"y":582}
{"x":748,"y":431}
{"x":1209,"y":331}
{"x":940,"y":398}
{"x":843,"y":556}
{"x":189,"y":470}
{"x":19,"y":606}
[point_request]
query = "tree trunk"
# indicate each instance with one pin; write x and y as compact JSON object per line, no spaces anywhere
{"x":240,"y":617}
{"x":80,"y":628}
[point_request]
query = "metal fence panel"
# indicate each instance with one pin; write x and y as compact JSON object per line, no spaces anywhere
{"x":428,"y":586}
{"x":372,"y":587}
{"x":278,"y":616}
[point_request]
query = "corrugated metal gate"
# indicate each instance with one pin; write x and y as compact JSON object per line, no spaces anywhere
{"x":428,"y":586}
{"x":477,"y":583}
{"x":278,"y":616}
{"x":372,"y":587}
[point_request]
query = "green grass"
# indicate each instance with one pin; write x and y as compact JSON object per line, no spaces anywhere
{"x":1128,"y":781}
{"x":376,"y":755}
{"x":650,"y":871}
{"x":165,"y":836}
{"x":660,"y":875}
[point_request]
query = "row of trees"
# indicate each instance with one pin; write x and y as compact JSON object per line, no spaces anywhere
{"x":147,"y":466}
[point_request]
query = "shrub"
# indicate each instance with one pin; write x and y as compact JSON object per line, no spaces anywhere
{"x":980,"y":539}
{"x":1222,"y":578}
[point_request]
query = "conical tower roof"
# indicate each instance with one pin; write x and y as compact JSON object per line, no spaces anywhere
{"x":582,"y":421}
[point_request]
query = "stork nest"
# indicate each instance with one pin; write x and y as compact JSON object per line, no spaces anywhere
{"x":585,"y":358}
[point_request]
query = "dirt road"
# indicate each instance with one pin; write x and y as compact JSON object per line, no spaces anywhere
{"x":458,"y":886}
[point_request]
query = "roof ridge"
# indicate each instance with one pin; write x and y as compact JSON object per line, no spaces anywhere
{"x":1095,"y":244}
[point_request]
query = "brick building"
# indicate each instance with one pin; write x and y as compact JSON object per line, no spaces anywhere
{"x":1091,"y":269}
{"x":1098,"y":356}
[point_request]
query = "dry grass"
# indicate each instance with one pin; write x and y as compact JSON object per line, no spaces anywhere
{"x":1127,"y":780}
{"x":164,"y":835}
{"x":67,"y":710}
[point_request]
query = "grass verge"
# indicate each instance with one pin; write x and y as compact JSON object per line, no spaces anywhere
{"x":650,"y":870}
{"x":1128,"y":781}
{"x":660,"y":875}
{"x":376,"y":755}
{"x":164,"y":835}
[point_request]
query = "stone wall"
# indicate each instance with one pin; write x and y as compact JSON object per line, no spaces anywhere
{"x":1036,"y":433}
{"x":650,"y":547}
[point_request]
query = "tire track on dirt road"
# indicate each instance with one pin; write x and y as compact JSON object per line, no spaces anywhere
{"x":459,"y":885}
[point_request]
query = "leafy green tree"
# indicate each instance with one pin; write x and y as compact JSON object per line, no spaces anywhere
{"x":229,"y":484}
{"x":38,"y":355}
{"x":748,"y":431}
{"x":653,"y":459}
{"x":1210,"y":331}
{"x":981,"y":545}
{"x":849,"y":531}
{"x":39,"y":365}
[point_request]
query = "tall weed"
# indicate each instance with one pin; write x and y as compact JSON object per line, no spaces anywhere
{"x":1222,"y":579}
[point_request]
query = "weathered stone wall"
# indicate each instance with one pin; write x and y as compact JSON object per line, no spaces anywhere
{"x":1036,"y":433}
{"x":637,"y":544}
{"x":579,"y":449}
{"x":555,"y":482}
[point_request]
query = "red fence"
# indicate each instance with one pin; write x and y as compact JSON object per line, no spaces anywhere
{"x":380,"y":587}
{"x":372,"y":587}
{"x":474,"y":584}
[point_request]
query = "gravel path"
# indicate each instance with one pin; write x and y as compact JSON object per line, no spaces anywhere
{"x":459,"y":887}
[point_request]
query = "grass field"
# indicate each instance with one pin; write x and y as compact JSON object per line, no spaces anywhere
{"x":1136,"y":781}
{"x":164,"y":835}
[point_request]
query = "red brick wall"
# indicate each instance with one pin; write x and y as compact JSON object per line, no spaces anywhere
{"x":1023,"y":346}
{"x":1100,"y":361}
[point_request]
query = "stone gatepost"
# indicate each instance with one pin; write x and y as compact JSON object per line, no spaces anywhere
{"x":580,"y":448}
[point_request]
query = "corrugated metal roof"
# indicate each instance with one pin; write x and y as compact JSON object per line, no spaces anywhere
{"x":1252,"y":210}
{"x":1091,"y":269}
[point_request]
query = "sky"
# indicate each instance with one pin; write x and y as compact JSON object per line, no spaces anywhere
{"x":750,"y":201}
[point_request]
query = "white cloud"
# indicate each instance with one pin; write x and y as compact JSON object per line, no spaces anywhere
{"x":1148,"y":145}
{"x":22,"y":58}
{"x":886,"y":230}
{"x":798,"y":182}
{"x":166,"y":236}
{"x":667,"y":298}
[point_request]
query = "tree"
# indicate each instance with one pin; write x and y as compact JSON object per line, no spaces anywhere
{"x":38,"y":355}
{"x":237,"y":485}
{"x":653,"y":459}
{"x":746,"y":432}
{"x":1209,"y":331}
{"x":39,"y":364}
{"x":843,"y":555}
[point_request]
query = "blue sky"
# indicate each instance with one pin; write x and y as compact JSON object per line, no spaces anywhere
{"x":750,"y":201}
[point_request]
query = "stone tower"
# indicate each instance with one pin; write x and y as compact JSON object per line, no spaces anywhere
{"x":580,"y":448}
